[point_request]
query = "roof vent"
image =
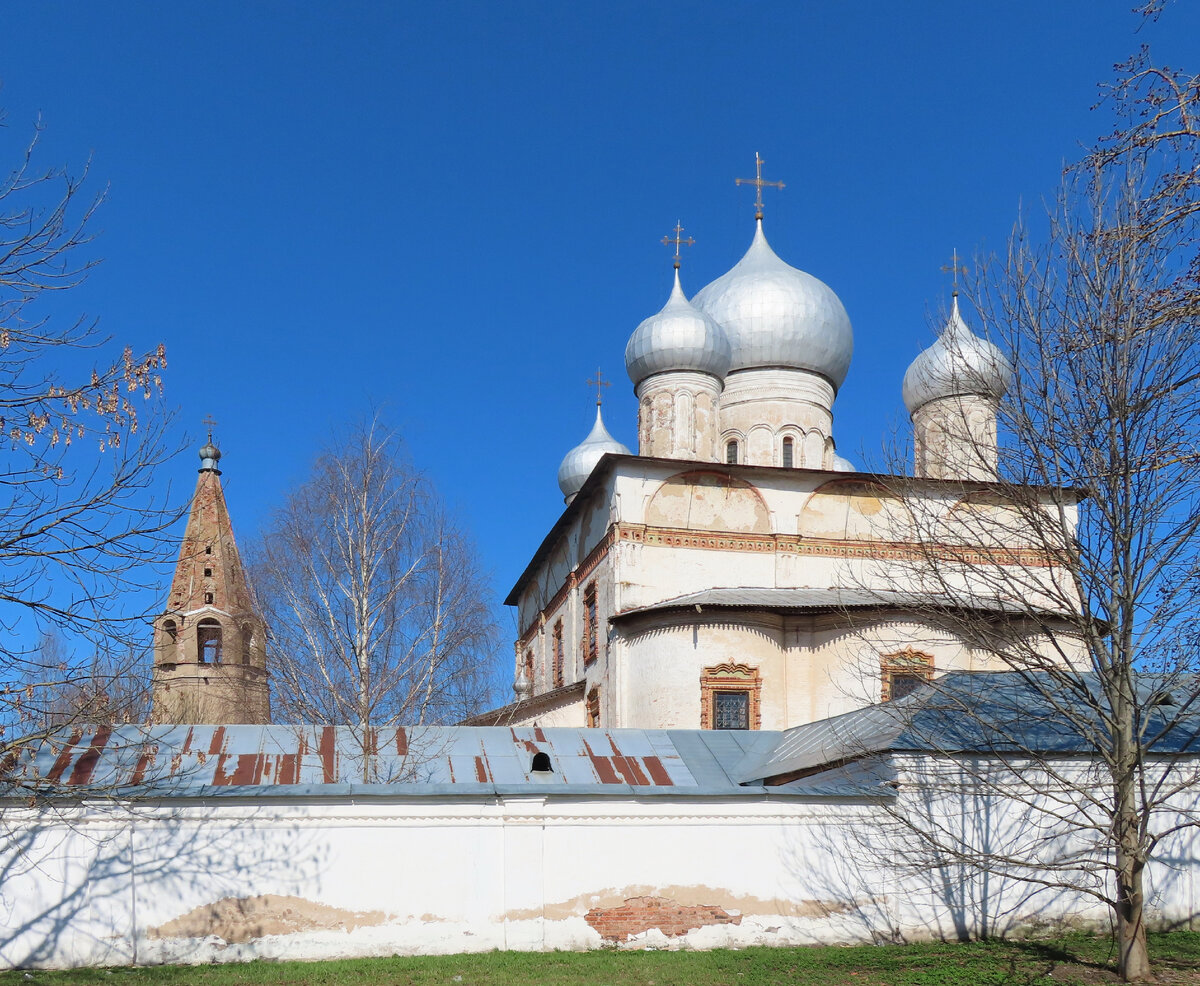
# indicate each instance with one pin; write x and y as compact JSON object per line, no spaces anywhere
{"x":541,"y":764}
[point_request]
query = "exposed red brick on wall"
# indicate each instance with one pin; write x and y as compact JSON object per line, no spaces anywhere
{"x":639,"y":914}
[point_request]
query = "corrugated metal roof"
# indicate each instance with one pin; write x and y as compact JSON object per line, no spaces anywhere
{"x":822,"y":600}
{"x":997,"y":713}
{"x":423,"y":761}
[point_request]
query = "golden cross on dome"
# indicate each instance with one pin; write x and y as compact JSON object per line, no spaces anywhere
{"x":955,"y":268}
{"x":759,"y":183}
{"x":599,"y":383}
{"x":678,"y":241}
{"x":210,"y":424}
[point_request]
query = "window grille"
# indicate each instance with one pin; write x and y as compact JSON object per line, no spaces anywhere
{"x":731,"y":710}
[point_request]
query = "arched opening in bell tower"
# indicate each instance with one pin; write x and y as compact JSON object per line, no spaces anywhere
{"x":208,"y":641}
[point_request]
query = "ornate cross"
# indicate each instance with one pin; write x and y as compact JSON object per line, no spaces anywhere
{"x":210,"y":424}
{"x":758,"y":182}
{"x":955,"y":269}
{"x":599,"y":383}
{"x":678,"y":241}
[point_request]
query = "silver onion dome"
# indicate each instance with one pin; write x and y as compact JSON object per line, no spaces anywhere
{"x":578,"y":464}
{"x":842,"y":464}
{"x":958,"y":363}
{"x":776,"y":315}
{"x":210,"y":455}
{"x":679,"y":337}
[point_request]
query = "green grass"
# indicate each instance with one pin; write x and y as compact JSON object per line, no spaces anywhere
{"x":1070,"y":959}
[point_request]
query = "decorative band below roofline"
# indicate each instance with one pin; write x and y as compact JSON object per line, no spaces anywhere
{"x":793,"y":544}
{"x":828,"y":547}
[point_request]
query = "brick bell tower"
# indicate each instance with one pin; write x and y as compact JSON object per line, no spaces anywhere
{"x":210,"y":653}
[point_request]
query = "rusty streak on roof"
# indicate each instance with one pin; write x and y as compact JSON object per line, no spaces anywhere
{"x":430,"y":760}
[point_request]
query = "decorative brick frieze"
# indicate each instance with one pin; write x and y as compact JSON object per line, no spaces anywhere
{"x":786,"y":544}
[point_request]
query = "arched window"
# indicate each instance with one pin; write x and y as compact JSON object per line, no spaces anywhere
{"x":788,"y":456}
{"x":731,"y":452}
{"x":247,"y":640}
{"x":170,"y":631}
{"x":208,"y":642}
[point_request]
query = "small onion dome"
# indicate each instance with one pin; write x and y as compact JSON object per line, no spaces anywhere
{"x":841,"y":464}
{"x":210,"y":455}
{"x":578,"y":464}
{"x":776,"y":315}
{"x":680,"y":337}
{"x":958,"y":363}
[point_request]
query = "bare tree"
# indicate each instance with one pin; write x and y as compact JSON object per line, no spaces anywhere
{"x":79,"y":530}
{"x":378,"y":611}
{"x":110,"y":687}
{"x":1077,"y":568}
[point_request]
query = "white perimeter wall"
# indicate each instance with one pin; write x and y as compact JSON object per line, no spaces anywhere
{"x":222,"y":881}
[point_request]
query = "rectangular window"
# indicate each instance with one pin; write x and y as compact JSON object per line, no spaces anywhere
{"x":731,"y":710}
{"x":558,"y":653}
{"x":731,"y":453}
{"x":590,"y":634}
{"x":730,"y":697}
{"x":593,"y":708}
{"x":904,"y":683}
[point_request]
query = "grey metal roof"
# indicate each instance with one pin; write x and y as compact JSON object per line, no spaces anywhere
{"x":996,"y":713}
{"x":288,"y":761}
{"x":820,"y":600}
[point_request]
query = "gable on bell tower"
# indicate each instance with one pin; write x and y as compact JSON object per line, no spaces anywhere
{"x":210,"y":644}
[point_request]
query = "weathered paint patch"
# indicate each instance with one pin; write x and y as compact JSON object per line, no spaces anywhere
{"x":639,"y":914}
{"x":237,"y":920}
{"x":697,"y":895}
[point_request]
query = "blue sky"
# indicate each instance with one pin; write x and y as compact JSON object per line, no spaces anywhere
{"x":453,"y":210}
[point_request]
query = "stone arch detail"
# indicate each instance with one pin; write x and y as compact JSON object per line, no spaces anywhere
{"x":853,"y":509}
{"x":700,"y":500}
{"x":987,"y":519}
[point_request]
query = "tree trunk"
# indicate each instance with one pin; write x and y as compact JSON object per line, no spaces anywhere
{"x":1131,"y":928}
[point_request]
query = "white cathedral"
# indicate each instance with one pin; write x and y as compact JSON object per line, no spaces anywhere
{"x":737,"y":572}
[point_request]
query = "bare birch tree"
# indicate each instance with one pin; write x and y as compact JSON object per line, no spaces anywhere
{"x":378,"y":611}
{"x":81,"y":437}
{"x":1085,"y":560}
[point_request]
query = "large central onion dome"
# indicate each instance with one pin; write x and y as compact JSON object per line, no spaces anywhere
{"x":680,"y":337}
{"x":959,"y":363}
{"x":578,"y":464}
{"x":775,"y":315}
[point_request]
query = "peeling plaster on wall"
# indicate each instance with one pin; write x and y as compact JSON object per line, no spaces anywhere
{"x":693,"y":896}
{"x":237,"y":920}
